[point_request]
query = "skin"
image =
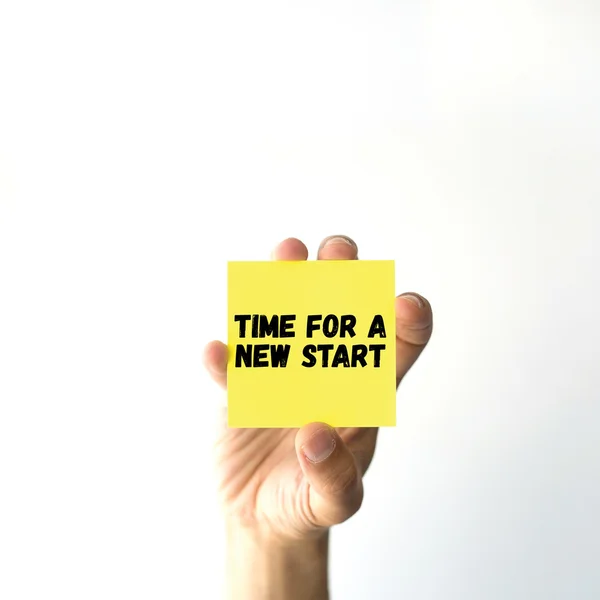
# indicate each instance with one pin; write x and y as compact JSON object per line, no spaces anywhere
{"x":283,"y":489}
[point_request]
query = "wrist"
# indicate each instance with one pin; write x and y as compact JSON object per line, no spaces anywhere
{"x":268,"y":567}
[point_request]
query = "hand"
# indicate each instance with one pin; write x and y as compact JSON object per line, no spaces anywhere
{"x":282,"y":486}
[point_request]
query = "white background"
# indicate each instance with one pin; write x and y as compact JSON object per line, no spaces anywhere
{"x":143,"y":144}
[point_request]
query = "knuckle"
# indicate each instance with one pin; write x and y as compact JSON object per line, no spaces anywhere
{"x":420,"y":335}
{"x":340,"y":482}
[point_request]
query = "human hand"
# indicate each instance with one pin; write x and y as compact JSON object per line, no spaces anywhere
{"x":283,"y":486}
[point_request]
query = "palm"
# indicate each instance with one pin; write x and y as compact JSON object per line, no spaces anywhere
{"x":261,"y":481}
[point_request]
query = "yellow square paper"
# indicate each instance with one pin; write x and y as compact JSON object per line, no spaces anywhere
{"x":287,"y":323}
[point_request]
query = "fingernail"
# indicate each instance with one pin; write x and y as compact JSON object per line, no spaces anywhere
{"x":319,"y":446}
{"x":416,"y":300}
{"x":337,"y":239}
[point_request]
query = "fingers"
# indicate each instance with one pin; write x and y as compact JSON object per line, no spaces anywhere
{"x":215,"y":362}
{"x":215,"y":353}
{"x":337,"y":247}
{"x":414,"y":323}
{"x":336,"y":490}
{"x":414,"y":319}
{"x":290,"y":249}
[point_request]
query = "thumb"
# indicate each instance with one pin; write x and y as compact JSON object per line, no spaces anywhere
{"x":336,"y":490}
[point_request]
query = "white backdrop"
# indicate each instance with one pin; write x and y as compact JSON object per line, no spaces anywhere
{"x":143,"y":144}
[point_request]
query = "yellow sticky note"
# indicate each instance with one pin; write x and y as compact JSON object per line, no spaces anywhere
{"x":311,"y":341}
